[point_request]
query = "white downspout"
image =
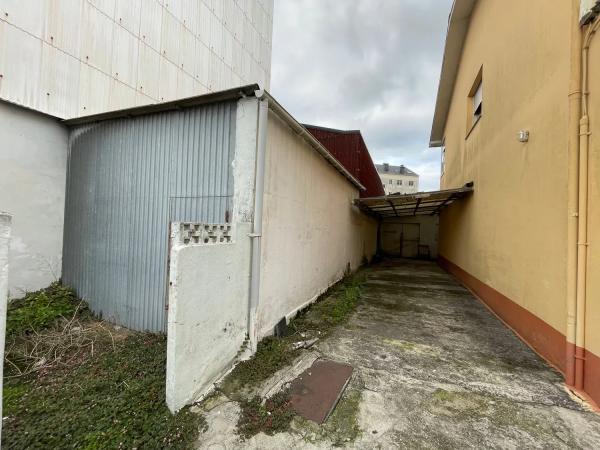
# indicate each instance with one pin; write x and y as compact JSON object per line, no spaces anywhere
{"x":259,"y":183}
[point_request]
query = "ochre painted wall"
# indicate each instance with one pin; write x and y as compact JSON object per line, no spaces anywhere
{"x":511,"y":233}
{"x":311,"y":230}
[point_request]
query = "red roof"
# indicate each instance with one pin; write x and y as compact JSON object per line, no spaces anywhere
{"x":350,"y":150}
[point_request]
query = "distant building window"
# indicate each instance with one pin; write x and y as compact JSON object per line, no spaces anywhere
{"x":475,"y":103}
{"x":391,"y":181}
{"x":411,"y":183}
{"x":399,"y":182}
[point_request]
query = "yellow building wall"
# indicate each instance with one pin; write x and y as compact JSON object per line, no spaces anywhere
{"x":593,"y":274}
{"x":511,"y":233}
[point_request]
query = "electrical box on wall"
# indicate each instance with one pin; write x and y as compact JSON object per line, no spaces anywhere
{"x":523,"y":136}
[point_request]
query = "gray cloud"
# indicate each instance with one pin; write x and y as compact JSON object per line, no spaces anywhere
{"x":371,"y":65}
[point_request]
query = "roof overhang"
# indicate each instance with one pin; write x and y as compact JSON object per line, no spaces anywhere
{"x":175,"y":105}
{"x":251,"y":90}
{"x":458,"y":26}
{"x":419,"y":204}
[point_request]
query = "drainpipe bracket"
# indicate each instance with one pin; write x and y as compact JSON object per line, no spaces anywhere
{"x":255,"y":235}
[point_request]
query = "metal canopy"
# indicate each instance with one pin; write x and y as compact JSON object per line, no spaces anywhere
{"x":421,"y":203}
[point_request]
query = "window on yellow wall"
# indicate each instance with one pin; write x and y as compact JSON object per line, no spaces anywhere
{"x":475,"y":102}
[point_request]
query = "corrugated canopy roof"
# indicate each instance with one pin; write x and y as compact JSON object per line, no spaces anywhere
{"x":421,"y":203}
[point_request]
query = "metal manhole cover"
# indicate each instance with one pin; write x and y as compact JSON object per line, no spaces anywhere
{"x":317,"y":390}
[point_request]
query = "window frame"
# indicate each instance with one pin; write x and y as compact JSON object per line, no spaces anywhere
{"x":476,"y":96}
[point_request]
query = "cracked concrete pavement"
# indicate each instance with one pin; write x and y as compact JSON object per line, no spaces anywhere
{"x":433,"y":369}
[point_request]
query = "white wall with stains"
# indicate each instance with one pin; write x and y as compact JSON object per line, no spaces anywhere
{"x":33,"y":165}
{"x":311,"y":230}
{"x":208,"y":311}
{"x":208,"y":291}
{"x":71,"y":58}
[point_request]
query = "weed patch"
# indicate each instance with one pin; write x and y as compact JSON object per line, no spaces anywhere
{"x":333,"y":308}
{"x":40,"y":309}
{"x":271,"y":418}
{"x":96,"y":388}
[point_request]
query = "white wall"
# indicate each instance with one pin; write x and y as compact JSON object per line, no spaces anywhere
{"x":208,"y":312}
{"x":77,"y":57}
{"x":311,"y":231}
{"x":33,"y":160}
{"x":5,"y":225}
{"x":209,"y":285}
{"x":395,"y":188}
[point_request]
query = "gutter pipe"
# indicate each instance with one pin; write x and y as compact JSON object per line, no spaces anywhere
{"x":582,"y":229}
{"x":573,"y":195}
{"x":259,"y":184}
{"x":310,"y":139}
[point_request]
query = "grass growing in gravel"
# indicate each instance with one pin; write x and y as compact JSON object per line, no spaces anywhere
{"x":110,"y":396}
{"x":274,"y":415}
{"x":333,"y":308}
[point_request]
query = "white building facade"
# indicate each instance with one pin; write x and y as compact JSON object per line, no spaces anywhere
{"x":398,"y":179}
{"x":70,"y":58}
{"x":61,"y":59}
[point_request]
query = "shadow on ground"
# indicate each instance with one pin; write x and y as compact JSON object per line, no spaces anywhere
{"x":433,"y":369}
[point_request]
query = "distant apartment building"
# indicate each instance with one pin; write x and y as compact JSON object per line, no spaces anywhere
{"x":397,"y":179}
{"x":62,"y":59}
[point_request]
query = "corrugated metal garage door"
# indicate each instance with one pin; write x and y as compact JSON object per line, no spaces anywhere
{"x":127,"y":179}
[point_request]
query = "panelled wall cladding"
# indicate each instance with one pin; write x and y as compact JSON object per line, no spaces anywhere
{"x":128,"y":179}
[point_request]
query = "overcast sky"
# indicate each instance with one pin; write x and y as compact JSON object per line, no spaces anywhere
{"x":371,"y":65}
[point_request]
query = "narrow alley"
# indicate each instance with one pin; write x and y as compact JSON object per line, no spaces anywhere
{"x":433,"y":369}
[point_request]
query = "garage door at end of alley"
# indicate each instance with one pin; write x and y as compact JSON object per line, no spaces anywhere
{"x":409,"y":223}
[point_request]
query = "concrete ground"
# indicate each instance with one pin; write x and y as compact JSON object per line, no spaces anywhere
{"x":433,"y":369}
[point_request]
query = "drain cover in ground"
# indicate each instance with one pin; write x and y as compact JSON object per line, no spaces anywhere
{"x":317,"y":390}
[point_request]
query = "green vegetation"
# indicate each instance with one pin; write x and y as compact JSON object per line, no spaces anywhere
{"x":341,"y":428}
{"x":333,"y":308}
{"x":76,"y":382}
{"x":274,"y":416}
{"x":40,"y":309}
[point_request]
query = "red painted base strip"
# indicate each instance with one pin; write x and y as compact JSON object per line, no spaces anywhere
{"x":544,"y":339}
{"x":591,"y":377}
{"x":548,"y":342}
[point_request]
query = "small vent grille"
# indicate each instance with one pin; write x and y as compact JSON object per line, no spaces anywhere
{"x":206,"y":234}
